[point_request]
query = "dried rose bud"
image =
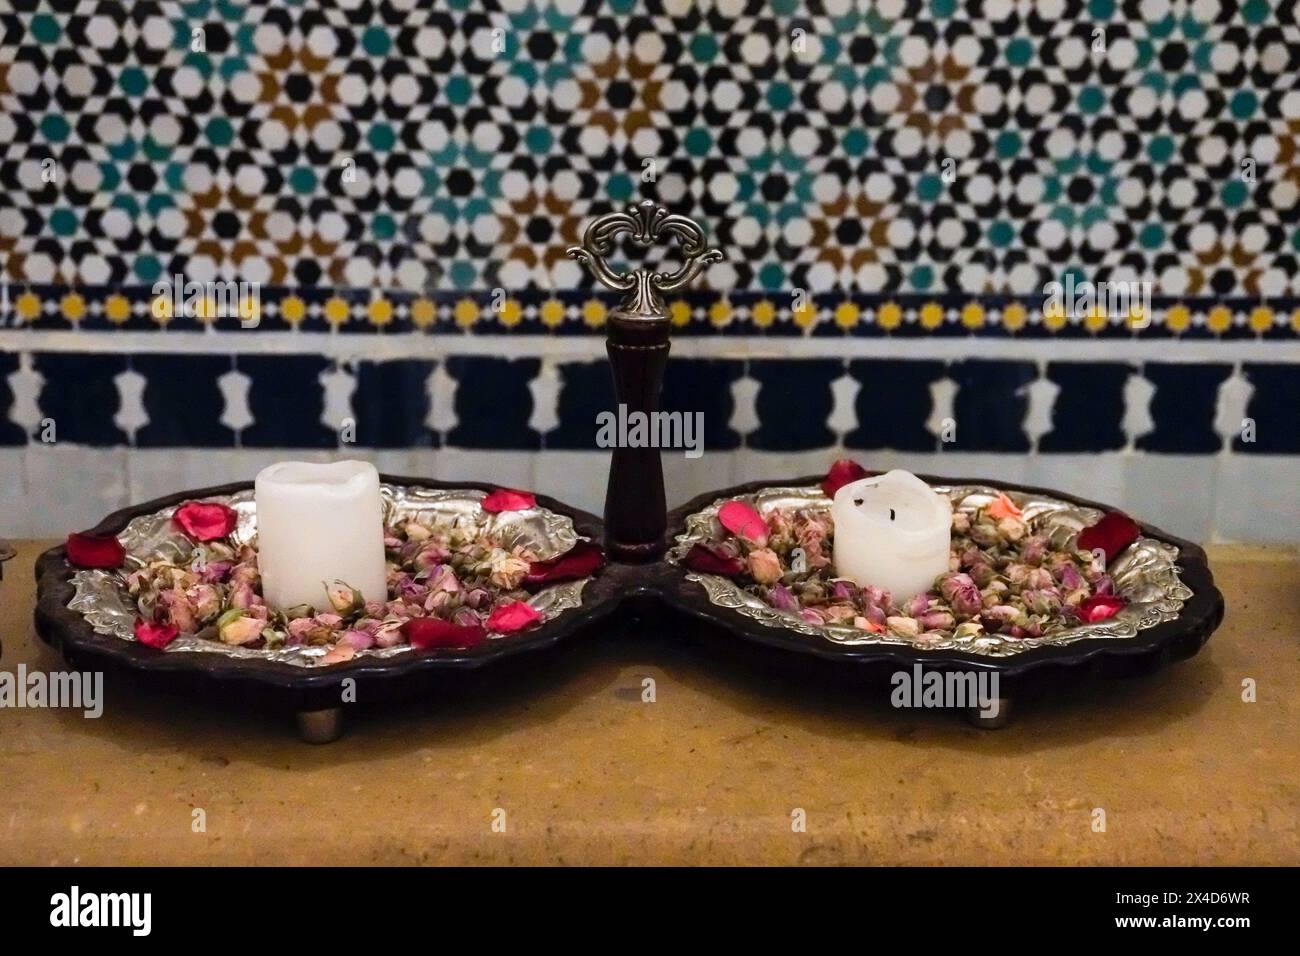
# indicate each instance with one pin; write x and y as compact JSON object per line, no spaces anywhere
{"x":918,"y":605}
{"x":1034,"y":550}
{"x":876,"y":596}
{"x":961,"y":594}
{"x":903,"y":626}
{"x":844,"y":590}
{"x":875,"y":615}
{"x":840,"y":614}
{"x":783,"y":599}
{"x":206,"y":601}
{"x":960,"y":522}
{"x":1012,"y":529}
{"x":1070,"y":577}
{"x":344,"y":598}
{"x":936,"y":621}
{"x":812,"y":617}
{"x":982,"y":574}
{"x":415,"y":531}
{"x":1017,"y":573}
{"x":357,"y":639}
{"x":985,"y":534}
{"x":1040,"y":578}
{"x":236,"y":627}
{"x":967,"y":630}
{"x":764,"y":566}
{"x":1042,"y":600}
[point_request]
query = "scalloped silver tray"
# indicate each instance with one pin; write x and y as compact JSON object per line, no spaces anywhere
{"x":1147,"y":573}
{"x":101,"y":597}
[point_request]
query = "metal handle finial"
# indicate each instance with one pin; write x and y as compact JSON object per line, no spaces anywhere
{"x":644,"y":223}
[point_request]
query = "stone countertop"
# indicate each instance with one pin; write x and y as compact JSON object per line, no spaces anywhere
{"x":582,"y":770}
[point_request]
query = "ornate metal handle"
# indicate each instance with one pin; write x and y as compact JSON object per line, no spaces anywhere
{"x":644,"y":223}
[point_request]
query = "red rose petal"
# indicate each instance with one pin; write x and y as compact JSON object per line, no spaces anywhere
{"x":205,"y":520}
{"x":95,"y":551}
{"x":742,"y":518}
{"x":582,"y":560}
{"x":154,"y":635}
{"x":706,"y":560}
{"x":842,"y":472}
{"x":426,"y":633}
{"x":1112,"y":534}
{"x":508,"y":499}
{"x":1100,"y":606}
{"x":514,"y":616}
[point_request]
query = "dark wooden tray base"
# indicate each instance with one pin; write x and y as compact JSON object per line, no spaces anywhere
{"x":656,"y":590}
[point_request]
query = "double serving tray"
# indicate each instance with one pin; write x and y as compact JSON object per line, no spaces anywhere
{"x":1177,"y":609}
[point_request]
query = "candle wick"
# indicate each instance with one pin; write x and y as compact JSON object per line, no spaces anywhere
{"x":891,"y":514}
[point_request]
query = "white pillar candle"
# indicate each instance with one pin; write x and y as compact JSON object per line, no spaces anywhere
{"x":317,"y":524}
{"x":892,"y":531}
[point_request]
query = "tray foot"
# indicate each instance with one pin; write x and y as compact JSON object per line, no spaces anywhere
{"x":984,"y":720}
{"x":320,"y":726}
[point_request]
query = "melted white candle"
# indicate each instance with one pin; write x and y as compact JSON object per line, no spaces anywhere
{"x":317,"y":524}
{"x":892,"y":531}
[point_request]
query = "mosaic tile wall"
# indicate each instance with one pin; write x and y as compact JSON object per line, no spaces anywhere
{"x":922,"y":170}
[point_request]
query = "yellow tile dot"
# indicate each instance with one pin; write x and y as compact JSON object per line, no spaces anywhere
{"x":846,"y":315}
{"x":890,"y":316}
{"x":805,"y":316}
{"x":764,"y":313}
{"x":512,"y":313}
{"x":293,"y":310}
{"x":337,"y":311}
{"x":1095,"y":320}
{"x":465,"y":313}
{"x":1178,"y":318}
{"x":1219,"y":320}
{"x":73,"y":306}
{"x":931,"y":315}
{"x":379,"y":312}
{"x":552,"y":313}
{"x":1137,"y":318}
{"x":1295,"y":320}
{"x":28,"y":306}
{"x":972,"y":315}
{"x":1014,"y":317}
{"x":1261,"y":319}
{"x":117,"y":309}
{"x":720,"y":313}
{"x":1054,"y":318}
{"x":679,"y":313}
{"x":423,"y":313}
{"x":593,"y":313}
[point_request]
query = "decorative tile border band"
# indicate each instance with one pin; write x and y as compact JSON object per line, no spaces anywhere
{"x":186,"y":399}
{"x":583,"y":312}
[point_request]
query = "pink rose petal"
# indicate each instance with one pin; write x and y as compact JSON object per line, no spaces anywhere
{"x":582,"y":560}
{"x":511,"y":617}
{"x":1112,"y":534}
{"x":154,"y":635}
{"x":205,"y":520}
{"x":842,"y":472}
{"x":742,"y":518}
{"x":1100,"y":606}
{"x":508,"y":499}
{"x":426,"y":633}
{"x":95,"y":551}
